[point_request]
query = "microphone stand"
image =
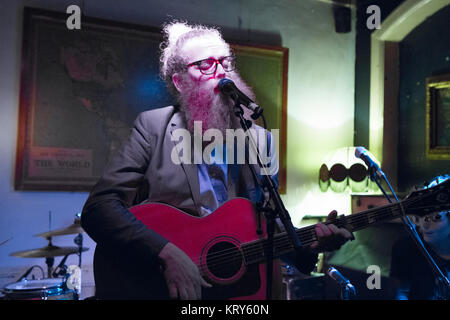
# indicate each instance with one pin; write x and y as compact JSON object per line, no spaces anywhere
{"x":443,"y":282}
{"x":347,"y":292}
{"x":267,"y":185}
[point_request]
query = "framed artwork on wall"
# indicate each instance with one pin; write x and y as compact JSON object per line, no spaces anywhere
{"x":265,"y":68}
{"x":81,"y":91}
{"x":438,"y":117}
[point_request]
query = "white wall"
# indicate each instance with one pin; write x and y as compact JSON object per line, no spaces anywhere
{"x":320,"y":100}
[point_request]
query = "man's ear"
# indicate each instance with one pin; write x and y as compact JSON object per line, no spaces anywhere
{"x":177,"y":80}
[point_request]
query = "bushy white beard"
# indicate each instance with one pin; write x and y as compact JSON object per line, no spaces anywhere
{"x":215,"y":111}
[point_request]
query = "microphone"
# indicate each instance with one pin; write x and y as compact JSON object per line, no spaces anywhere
{"x":338,"y":277}
{"x":347,"y":289}
{"x":227,"y":87}
{"x":362,"y":154}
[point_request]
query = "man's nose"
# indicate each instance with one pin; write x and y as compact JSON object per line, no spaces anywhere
{"x":220,"y":71}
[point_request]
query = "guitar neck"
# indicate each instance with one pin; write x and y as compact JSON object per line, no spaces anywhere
{"x":255,"y":252}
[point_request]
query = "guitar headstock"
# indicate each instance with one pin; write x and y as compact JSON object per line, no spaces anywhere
{"x":434,"y":198}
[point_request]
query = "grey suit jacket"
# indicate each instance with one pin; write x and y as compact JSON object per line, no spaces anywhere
{"x":141,"y":171}
{"x":126,"y":259}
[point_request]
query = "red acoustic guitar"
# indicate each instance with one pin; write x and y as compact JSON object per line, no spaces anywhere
{"x":231,"y":255}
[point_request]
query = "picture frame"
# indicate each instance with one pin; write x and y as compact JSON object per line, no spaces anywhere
{"x":254,"y":63}
{"x":81,"y":91}
{"x":438,"y":117}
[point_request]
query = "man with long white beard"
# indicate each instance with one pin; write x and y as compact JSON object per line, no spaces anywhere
{"x":134,"y":261}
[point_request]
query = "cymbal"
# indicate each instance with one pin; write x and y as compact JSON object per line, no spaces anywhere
{"x":72,"y":229}
{"x":47,"y":252}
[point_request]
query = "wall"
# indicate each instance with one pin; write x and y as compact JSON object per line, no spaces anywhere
{"x":320,"y":103}
{"x":424,"y":52}
{"x":362,"y":66}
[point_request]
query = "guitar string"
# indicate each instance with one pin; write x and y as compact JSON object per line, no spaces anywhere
{"x":306,"y":232}
{"x":303,"y":232}
{"x":250,"y":248}
{"x":358,"y":220}
{"x":284,"y":242}
{"x":235,"y":254}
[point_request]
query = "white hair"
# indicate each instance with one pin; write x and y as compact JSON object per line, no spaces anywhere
{"x":176,"y":34}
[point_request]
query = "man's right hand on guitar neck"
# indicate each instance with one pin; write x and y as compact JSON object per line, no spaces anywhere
{"x":182,"y":275}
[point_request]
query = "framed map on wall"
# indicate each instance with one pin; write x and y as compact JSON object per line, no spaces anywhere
{"x":81,"y":91}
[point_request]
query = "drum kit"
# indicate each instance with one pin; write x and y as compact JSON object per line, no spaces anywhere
{"x":62,"y":283}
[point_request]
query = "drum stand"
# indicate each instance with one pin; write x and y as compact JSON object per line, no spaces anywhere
{"x":79,"y":242}
{"x":49,"y":261}
{"x":61,"y":269}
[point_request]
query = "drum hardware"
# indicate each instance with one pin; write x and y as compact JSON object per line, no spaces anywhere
{"x":25,"y":275}
{"x":65,"y":284}
{"x":50,"y":251}
{"x":74,"y":228}
{"x":42,"y":289}
{"x":5,"y":241}
{"x":61,"y":269}
{"x":55,"y":287}
{"x":79,"y":242}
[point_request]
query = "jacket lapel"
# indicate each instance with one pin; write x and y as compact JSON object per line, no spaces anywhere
{"x":191,"y":170}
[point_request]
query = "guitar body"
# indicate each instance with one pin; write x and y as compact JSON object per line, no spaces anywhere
{"x":212,"y":242}
{"x":227,"y":249}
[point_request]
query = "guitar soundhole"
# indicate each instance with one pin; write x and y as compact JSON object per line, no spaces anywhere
{"x":224,"y":260}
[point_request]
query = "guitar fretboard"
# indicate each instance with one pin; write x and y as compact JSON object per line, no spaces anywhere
{"x":255,"y":252}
